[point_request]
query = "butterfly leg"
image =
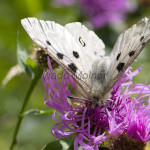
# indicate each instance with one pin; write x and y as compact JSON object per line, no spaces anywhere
{"x":114,"y":104}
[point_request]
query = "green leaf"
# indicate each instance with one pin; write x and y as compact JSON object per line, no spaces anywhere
{"x":31,"y":63}
{"x":61,"y":144}
{"x":22,"y":57}
{"x":53,"y":146}
{"x":37,"y":112}
{"x":64,"y":144}
{"x":68,"y":143}
{"x":33,"y":66}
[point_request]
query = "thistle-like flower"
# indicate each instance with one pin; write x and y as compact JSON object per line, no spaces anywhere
{"x":126,"y":114}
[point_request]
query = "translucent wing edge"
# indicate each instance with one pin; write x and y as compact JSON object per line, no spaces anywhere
{"x":139,"y":48}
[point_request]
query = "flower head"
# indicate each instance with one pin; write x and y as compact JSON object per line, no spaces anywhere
{"x":125,"y":112}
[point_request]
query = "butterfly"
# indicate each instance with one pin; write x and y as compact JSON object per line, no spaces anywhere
{"x":82,"y":53}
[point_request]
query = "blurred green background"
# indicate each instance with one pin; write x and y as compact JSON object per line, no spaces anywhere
{"x":35,"y":131}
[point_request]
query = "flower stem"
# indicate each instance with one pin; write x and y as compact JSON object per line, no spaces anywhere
{"x":25,"y":104}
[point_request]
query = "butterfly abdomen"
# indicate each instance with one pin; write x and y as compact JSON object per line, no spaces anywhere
{"x":99,"y":79}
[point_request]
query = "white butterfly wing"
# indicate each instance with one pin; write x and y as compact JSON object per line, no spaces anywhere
{"x":128,"y":46}
{"x":65,"y":45}
{"x":88,"y":39}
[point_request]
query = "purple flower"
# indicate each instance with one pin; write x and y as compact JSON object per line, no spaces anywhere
{"x":102,"y":12}
{"x":125,"y":113}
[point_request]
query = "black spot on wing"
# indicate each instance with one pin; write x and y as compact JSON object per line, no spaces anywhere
{"x":141,"y":39}
{"x":75,"y":54}
{"x":48,"y":42}
{"x":82,"y":42}
{"x":131,"y":53}
{"x":72,"y":67}
{"x":143,"y":43}
{"x":60,"y":56}
{"x":118,"y":56}
{"x":120,"y":66}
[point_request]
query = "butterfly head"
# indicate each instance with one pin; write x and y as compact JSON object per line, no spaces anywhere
{"x":100,"y":99}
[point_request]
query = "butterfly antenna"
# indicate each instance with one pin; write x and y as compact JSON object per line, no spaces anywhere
{"x":72,"y":97}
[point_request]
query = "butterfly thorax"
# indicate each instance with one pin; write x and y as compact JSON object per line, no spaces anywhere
{"x":99,"y":80}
